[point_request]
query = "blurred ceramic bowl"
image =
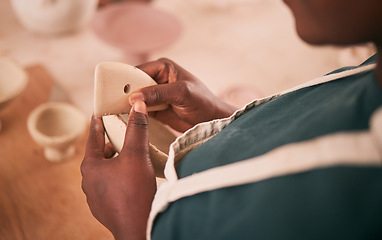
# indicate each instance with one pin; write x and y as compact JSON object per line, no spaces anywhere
{"x":13,"y":80}
{"x":56,"y":126}
{"x":54,"y":16}
{"x":136,"y":27}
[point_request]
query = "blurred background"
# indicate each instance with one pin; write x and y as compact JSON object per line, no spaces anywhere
{"x":240,"y":48}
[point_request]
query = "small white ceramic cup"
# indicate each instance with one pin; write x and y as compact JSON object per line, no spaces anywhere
{"x":56,"y":126}
{"x":13,"y":80}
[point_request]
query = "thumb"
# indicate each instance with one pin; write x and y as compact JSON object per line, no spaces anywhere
{"x":136,"y":144}
{"x":96,"y":141}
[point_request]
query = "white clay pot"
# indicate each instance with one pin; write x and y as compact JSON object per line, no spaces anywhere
{"x":13,"y":80}
{"x":54,"y":16}
{"x":56,"y":126}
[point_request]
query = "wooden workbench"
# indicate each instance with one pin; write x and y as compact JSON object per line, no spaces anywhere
{"x":39,"y":199}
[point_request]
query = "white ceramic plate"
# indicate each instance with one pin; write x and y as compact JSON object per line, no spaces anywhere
{"x":136,"y":27}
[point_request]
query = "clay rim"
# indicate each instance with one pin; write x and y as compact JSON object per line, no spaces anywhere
{"x":53,"y":140}
{"x":108,"y":13}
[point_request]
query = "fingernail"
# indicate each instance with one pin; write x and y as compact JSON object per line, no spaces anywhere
{"x":97,"y":123}
{"x":140,"y":107}
{"x":134,"y":97}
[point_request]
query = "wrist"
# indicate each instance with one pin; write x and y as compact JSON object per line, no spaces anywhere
{"x":125,"y":234}
{"x":223,"y":110}
{"x":132,"y":227}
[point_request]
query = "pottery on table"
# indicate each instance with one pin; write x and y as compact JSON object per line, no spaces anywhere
{"x":13,"y":80}
{"x":136,"y":27}
{"x":54,"y":16}
{"x":56,"y":126}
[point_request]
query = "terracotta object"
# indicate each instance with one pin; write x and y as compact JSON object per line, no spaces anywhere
{"x":113,"y":83}
{"x":54,"y":16}
{"x":56,"y":126}
{"x":136,"y":27}
{"x":13,"y":81}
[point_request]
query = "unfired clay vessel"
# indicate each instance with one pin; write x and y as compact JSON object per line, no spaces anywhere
{"x":114,"y":82}
{"x":56,"y":126}
{"x":13,"y":80}
{"x":54,"y":16}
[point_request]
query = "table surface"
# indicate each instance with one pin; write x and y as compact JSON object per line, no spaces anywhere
{"x":40,"y":199}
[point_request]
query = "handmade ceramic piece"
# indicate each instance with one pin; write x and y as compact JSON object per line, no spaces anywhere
{"x":13,"y":80}
{"x":113,"y":84}
{"x":136,"y":27}
{"x":160,"y":139}
{"x":56,"y":126}
{"x":54,"y":16}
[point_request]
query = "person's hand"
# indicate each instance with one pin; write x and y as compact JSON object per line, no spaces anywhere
{"x":120,"y":190}
{"x":189,"y":99}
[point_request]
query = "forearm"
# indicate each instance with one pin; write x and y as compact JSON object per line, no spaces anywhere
{"x":130,"y":234}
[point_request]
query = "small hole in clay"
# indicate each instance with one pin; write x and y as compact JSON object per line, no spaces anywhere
{"x":126,"y":89}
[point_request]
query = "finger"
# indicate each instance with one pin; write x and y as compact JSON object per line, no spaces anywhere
{"x":109,"y":150}
{"x":173,"y":120}
{"x":96,"y":141}
{"x":136,"y":144}
{"x":171,"y":93}
{"x":162,"y":70}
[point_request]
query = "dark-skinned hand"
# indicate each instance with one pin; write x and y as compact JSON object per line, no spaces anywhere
{"x":189,"y":100}
{"x":120,"y":190}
